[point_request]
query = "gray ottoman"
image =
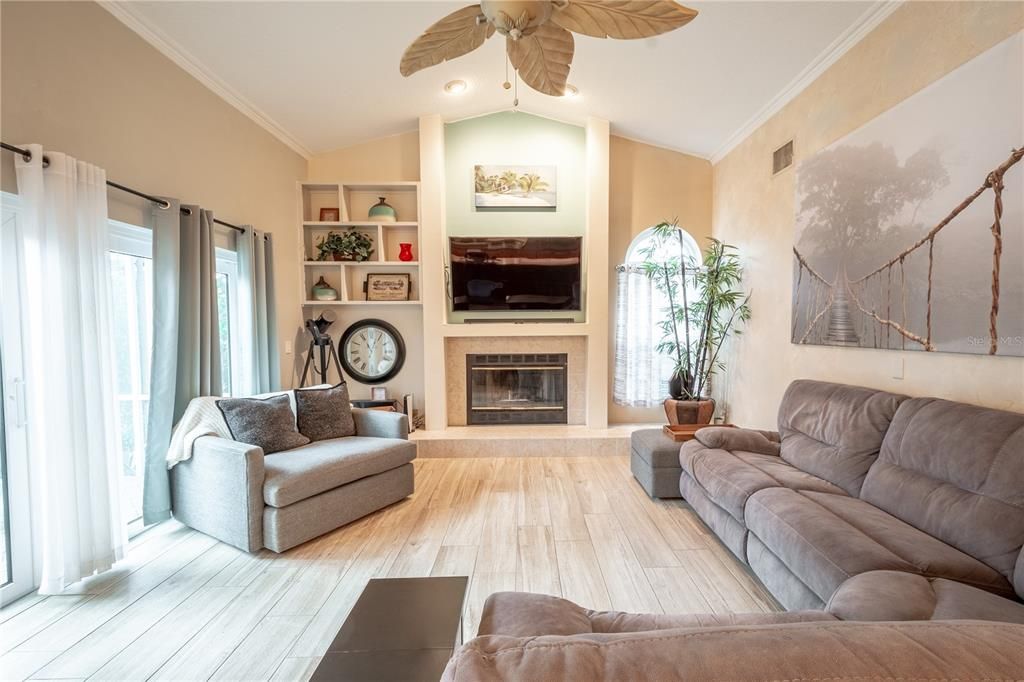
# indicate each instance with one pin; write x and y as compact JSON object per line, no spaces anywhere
{"x":654,"y":461}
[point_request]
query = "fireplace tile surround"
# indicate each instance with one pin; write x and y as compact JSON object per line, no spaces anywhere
{"x":458,"y":348}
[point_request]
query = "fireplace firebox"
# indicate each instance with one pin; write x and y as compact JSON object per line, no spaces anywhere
{"x":507,"y":388}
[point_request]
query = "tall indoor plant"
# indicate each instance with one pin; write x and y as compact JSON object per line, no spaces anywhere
{"x":706,"y":303}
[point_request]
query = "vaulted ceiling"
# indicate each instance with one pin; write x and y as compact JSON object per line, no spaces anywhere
{"x":324,"y":75}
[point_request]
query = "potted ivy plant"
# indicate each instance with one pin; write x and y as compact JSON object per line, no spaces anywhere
{"x":350,"y":245}
{"x":706,"y":304}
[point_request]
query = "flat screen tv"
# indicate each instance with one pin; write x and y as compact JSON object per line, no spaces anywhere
{"x":515,"y":273}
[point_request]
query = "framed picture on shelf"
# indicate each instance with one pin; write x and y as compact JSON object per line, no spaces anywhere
{"x":330,"y":215}
{"x":378,"y":393}
{"x":390,"y":286}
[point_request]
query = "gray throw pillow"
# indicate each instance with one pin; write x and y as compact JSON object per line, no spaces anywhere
{"x":324,"y":413}
{"x":267,"y":423}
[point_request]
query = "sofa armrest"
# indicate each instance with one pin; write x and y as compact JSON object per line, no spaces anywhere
{"x":219,"y":491}
{"x":380,"y":424}
{"x":746,"y":440}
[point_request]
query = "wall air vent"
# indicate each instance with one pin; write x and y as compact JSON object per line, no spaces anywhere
{"x":782,"y":158}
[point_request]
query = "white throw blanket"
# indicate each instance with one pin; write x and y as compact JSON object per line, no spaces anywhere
{"x":203,"y":418}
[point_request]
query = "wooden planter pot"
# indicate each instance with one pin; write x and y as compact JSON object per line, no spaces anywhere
{"x":689,"y":411}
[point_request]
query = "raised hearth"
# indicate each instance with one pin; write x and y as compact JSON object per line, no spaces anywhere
{"x":517,"y":388}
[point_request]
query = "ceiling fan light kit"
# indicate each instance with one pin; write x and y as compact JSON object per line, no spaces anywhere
{"x":538,"y":33}
{"x":456,"y":87}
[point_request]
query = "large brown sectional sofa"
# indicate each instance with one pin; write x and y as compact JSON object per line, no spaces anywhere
{"x":891,"y":527}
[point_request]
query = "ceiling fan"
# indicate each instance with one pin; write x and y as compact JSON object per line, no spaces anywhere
{"x":537,"y":33}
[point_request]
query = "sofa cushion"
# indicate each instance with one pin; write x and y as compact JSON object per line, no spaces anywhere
{"x":931,"y":557}
{"x":956,"y":471}
{"x":827,"y":539}
{"x":324,"y":412}
{"x":890,"y":595}
{"x":267,"y":423}
{"x":524,"y":614}
{"x":312,"y":469}
{"x":730,"y":478}
{"x":834,"y":431}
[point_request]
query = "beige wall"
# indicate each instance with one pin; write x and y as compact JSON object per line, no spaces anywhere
{"x":918,"y":44}
{"x":74,"y":79}
{"x":648,"y":185}
{"x":385,"y":159}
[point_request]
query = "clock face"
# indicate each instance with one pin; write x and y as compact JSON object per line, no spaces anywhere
{"x":372,"y":351}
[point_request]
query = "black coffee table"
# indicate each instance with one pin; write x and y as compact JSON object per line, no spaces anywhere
{"x":399,"y":629}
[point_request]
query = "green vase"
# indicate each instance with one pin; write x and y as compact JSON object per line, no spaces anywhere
{"x":382,"y":212}
{"x":322,"y":291}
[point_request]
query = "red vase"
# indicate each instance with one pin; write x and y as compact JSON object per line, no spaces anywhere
{"x":405,"y":252}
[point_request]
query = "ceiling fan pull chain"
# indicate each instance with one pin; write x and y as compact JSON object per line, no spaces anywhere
{"x":506,"y":84}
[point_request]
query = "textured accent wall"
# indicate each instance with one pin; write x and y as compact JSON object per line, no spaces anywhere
{"x":919,"y":43}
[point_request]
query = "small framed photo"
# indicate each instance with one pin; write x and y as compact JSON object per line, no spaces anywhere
{"x":378,"y":393}
{"x":330,"y":215}
{"x":389,"y":286}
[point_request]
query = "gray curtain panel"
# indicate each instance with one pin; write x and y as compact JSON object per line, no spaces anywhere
{"x":186,"y":337}
{"x":257,"y":313}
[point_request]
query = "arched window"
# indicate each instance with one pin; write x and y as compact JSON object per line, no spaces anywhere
{"x":641,"y":372}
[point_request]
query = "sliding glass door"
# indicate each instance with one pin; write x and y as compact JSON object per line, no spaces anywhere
{"x":16,"y":568}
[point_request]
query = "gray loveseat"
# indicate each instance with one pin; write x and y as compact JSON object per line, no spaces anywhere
{"x":235,"y":493}
{"x":882,"y":506}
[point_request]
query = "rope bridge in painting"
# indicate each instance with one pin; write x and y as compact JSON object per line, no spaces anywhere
{"x":873,"y":294}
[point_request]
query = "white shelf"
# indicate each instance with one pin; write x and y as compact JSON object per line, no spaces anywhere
{"x":387,"y":263}
{"x":362,"y":263}
{"x":366,"y":223}
{"x":332,"y":303}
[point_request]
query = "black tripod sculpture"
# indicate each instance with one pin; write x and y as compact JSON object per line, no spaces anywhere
{"x":324,"y":344}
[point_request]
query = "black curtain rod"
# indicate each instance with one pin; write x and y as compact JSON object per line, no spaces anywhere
{"x":27,"y":155}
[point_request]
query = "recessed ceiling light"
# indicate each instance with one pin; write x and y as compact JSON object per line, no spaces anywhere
{"x":571,"y":91}
{"x":455,"y":87}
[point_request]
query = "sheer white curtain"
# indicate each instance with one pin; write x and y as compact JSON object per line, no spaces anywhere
{"x":641,"y":373}
{"x":69,"y":358}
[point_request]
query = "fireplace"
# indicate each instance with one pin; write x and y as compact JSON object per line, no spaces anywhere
{"x":528,"y":388}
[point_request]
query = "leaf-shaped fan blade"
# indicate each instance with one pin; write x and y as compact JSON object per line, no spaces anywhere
{"x":543,"y":58}
{"x":457,"y":34}
{"x":623,"y":19}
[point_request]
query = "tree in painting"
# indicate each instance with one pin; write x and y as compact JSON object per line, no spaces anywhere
{"x":531,"y":182}
{"x":853,"y":197}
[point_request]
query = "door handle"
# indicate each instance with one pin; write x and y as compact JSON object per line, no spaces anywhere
{"x":16,"y":396}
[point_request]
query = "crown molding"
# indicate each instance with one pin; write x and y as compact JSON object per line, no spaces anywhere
{"x":659,"y":145}
{"x":865,"y":24}
{"x":133,"y":19}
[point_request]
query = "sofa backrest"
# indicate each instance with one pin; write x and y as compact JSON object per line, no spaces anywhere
{"x":834,"y":431}
{"x":956,"y":472}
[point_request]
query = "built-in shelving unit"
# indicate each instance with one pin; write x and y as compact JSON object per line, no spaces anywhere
{"x":352,"y":202}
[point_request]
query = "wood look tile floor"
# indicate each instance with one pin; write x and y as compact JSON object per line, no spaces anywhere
{"x":183,"y":606}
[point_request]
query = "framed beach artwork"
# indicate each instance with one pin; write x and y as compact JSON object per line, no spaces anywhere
{"x":910,"y":230}
{"x":515,"y":186}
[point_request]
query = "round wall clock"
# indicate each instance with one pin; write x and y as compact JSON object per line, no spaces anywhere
{"x":372,"y":351}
